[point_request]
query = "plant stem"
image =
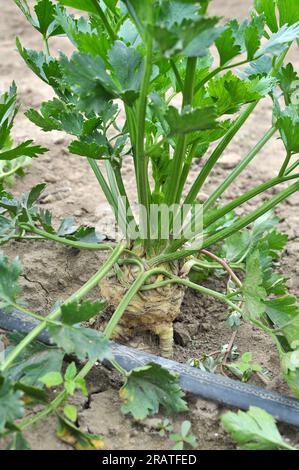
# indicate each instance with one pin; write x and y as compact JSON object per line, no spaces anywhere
{"x":104,"y":186}
{"x":239,"y":168}
{"x":26,"y":423}
{"x":211,"y":217}
{"x":90,"y":284}
{"x":225,"y":265}
{"x":141,"y":158}
{"x":285,"y":164}
{"x":46,"y":46}
{"x":214,"y":215}
{"x":173,"y":185}
{"x":211,"y":162}
{"x":177,"y":75}
{"x":66,"y":241}
{"x":251,"y":217}
{"x":241,"y":223}
{"x":135,"y":287}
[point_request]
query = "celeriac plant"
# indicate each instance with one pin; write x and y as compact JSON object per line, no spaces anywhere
{"x":139,"y":59}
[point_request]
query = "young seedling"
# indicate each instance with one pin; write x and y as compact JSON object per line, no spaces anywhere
{"x":184,"y":437}
{"x":245,"y":368}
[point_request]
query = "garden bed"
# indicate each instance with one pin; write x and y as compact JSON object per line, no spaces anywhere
{"x":201,"y":327}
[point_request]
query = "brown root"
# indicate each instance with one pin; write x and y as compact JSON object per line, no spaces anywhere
{"x":152,"y":311}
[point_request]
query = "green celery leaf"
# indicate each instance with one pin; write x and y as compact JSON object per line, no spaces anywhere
{"x":279,"y":41}
{"x":25,"y":149}
{"x":83,"y":342}
{"x":236,"y":245}
{"x":127,"y":66}
{"x":29,"y":369}
{"x":226,"y":45}
{"x":190,"y":120}
{"x":229,"y":92}
{"x":149,"y":387}
{"x":45,"y":11}
{"x":86,"y":75}
{"x":254,"y":430}
{"x":89,"y":150}
{"x":73,"y":312}
{"x":288,"y":80}
{"x":284,"y":313}
{"x":288,"y":125}
{"x":138,"y":11}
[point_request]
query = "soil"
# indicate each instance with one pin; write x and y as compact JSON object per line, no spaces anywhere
{"x":52,"y":273}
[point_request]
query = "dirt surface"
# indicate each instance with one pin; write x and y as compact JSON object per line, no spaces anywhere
{"x":52,"y":272}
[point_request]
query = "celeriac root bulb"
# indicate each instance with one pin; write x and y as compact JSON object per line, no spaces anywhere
{"x":151,"y":311}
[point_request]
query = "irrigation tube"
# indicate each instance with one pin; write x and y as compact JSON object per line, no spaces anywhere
{"x":205,"y":384}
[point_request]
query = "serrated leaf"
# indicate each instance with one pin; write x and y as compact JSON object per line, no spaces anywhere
{"x":73,"y":312}
{"x":67,"y":227}
{"x":45,"y":12}
{"x":83,"y":342}
{"x":254,"y":430}
{"x":236,"y":245}
{"x":280,"y":40}
{"x":87,"y":77}
{"x":127,"y":66}
{"x":89,"y":150}
{"x":226,"y":45}
{"x":149,"y":387}
{"x":290,"y":369}
{"x":288,"y":125}
{"x":190,"y":120}
{"x":284,"y":313}
{"x":25,"y":149}
{"x":29,"y":368}
{"x":229,"y":92}
{"x":288,"y":80}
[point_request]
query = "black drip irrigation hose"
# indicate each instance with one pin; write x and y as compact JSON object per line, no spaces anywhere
{"x":205,"y":384}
